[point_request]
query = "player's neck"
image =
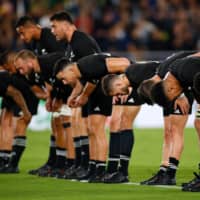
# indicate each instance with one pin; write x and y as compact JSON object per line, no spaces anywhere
{"x":36,"y":67}
{"x":76,"y":71}
{"x":126,"y":81}
{"x":37,"y":33}
{"x":70,"y":33}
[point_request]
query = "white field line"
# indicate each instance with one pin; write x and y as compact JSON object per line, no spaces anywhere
{"x":159,"y":186}
{"x":138,"y":184}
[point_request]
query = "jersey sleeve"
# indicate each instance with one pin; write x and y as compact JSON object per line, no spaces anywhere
{"x":5,"y":81}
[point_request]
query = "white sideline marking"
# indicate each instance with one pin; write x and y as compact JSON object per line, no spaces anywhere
{"x":159,"y":186}
{"x":138,"y":184}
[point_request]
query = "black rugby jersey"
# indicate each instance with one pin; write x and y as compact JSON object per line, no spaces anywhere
{"x":93,"y":67}
{"x":47,"y":63}
{"x":81,"y":45}
{"x":47,"y":43}
{"x":166,"y":64}
{"x":138,"y":72}
{"x":5,"y":81}
{"x":185,"y":69}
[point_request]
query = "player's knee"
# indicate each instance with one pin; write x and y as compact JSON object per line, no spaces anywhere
{"x":126,"y":122}
{"x":115,"y":123}
{"x":167,"y":135}
{"x":197,"y":124}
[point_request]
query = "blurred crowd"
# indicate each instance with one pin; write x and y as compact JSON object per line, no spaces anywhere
{"x":118,"y":25}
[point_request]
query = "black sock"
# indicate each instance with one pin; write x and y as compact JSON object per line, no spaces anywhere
{"x":114,"y":152}
{"x":60,"y":157}
{"x":173,"y":166}
{"x":162,"y":169}
{"x":4,"y":157}
{"x":92,"y":167}
{"x":126,"y":146}
{"x":18,"y":147}
{"x":77,"y":146}
{"x":84,"y":140}
{"x":52,"y":152}
{"x":100,"y":167}
{"x":70,"y":162}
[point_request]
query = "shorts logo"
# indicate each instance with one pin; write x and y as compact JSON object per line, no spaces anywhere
{"x":131,"y":100}
{"x":97,"y":109}
{"x":177,"y":111}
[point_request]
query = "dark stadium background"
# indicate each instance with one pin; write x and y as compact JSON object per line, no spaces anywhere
{"x":145,"y":29}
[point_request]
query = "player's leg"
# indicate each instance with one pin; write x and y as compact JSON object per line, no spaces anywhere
{"x":194,"y":184}
{"x":19,"y":144}
{"x":127,"y":139}
{"x":114,"y":142}
{"x":48,"y":165}
{"x":90,"y":172}
{"x":97,"y":130}
{"x":166,"y":149}
{"x":84,"y":140}
{"x":178,"y":123}
{"x":60,"y":142}
{"x":197,"y":124}
{"x":6,"y":137}
{"x":100,"y":107}
{"x":63,"y":125}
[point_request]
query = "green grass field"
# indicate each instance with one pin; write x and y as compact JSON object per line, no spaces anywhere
{"x":145,"y":161}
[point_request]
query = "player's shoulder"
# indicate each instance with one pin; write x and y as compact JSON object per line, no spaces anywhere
{"x":47,"y":35}
{"x":83,"y":37}
{"x":46,"y":31}
{"x":4,"y":74}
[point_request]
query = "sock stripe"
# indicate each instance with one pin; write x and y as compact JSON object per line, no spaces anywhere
{"x":101,"y":164}
{"x":19,"y":142}
{"x":52,"y":143}
{"x":77,"y":144}
{"x":113,"y":159}
{"x":3,"y":154}
{"x":60,"y":152}
{"x":84,"y":141}
{"x":163,"y":168}
{"x":123,"y":157}
{"x":172,"y":166}
{"x":92,"y":162}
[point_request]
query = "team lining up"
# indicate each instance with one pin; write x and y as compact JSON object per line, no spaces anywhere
{"x":66,"y":67}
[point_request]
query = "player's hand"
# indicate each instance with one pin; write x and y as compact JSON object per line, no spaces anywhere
{"x":123,"y":98}
{"x":120,"y":98}
{"x":81,"y":100}
{"x":49,"y":104}
{"x":26,"y":117}
{"x":56,"y":104}
{"x":183,"y":104}
{"x":71,"y":102}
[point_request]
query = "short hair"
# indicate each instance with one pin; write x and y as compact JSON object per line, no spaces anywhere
{"x":24,"y":54}
{"x":106,"y":83}
{"x":60,"y":65}
{"x":62,"y":16}
{"x":23,"y":21}
{"x":4,"y":57}
{"x":144,"y":91}
{"x":158,"y":95}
